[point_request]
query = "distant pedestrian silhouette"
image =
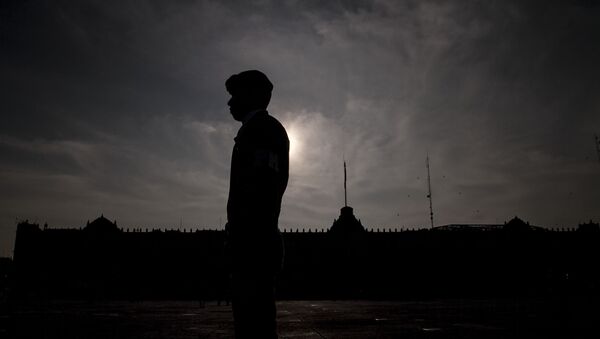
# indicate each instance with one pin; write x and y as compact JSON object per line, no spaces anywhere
{"x":259,"y":176}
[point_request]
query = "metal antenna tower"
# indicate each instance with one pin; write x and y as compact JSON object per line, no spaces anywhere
{"x":429,"y":192}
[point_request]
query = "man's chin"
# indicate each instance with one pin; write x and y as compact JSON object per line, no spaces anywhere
{"x":237,"y":116}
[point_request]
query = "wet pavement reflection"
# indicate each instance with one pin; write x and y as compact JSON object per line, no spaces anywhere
{"x":457,"y":318}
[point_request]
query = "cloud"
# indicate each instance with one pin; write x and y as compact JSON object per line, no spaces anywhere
{"x":121,"y":109}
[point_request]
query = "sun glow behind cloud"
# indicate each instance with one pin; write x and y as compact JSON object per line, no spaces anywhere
{"x":295,"y":137}
{"x":313,"y":140}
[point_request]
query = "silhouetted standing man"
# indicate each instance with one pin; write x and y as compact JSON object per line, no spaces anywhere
{"x":259,"y":176}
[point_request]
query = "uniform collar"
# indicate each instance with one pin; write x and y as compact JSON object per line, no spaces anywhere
{"x":251,"y":115}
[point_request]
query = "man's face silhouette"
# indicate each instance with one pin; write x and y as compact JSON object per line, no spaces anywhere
{"x":239,"y":105}
{"x":250,"y":91}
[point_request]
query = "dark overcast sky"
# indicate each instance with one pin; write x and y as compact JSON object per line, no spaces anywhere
{"x":119,"y":107}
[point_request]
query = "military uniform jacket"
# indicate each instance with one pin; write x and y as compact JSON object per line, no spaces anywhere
{"x":259,"y":176}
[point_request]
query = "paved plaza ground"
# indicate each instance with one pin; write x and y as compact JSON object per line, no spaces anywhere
{"x":455,"y":318}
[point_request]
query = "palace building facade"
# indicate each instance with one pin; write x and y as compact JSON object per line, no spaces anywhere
{"x":101,"y":260}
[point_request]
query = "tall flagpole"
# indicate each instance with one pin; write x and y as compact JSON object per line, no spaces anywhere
{"x":345,"y":191}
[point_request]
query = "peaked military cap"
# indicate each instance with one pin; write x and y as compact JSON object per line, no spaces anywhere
{"x":251,"y":81}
